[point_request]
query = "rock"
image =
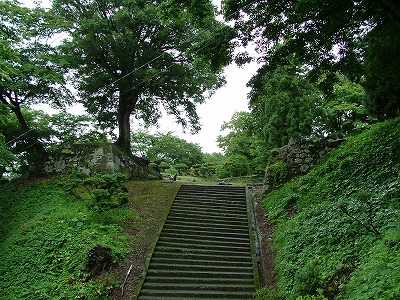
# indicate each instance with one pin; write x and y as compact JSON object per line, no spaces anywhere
{"x":304,"y":168}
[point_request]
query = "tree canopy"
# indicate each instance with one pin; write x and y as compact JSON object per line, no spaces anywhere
{"x":131,"y":58}
{"x":167,"y":148}
{"x":284,"y":104}
{"x":352,"y":37}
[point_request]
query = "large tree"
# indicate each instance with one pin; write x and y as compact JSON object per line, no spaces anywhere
{"x":359,"y":38}
{"x":133,"y":57}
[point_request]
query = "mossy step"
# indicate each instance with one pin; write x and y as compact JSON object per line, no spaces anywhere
{"x":215,"y":192}
{"x":216,"y":204}
{"x":227,"y":198}
{"x":180,"y":249}
{"x":226,"y":247}
{"x":199,"y":187}
{"x":184,"y":266}
{"x":200,"y":274}
{"x":207,"y":215}
{"x":200,"y":280}
{"x":210,"y":207}
{"x":219,"y":204}
{"x":205,"y":294}
{"x":163,"y":294}
{"x":207,"y":221}
{"x":178,"y":240}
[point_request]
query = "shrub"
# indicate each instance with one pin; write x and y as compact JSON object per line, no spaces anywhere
{"x":105,"y":191}
{"x":235,"y":165}
{"x":182,"y":169}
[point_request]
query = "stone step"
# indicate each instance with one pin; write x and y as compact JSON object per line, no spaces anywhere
{"x":205,"y":236}
{"x":199,"y":280}
{"x":202,"y":206}
{"x":208,"y":221}
{"x":200,"y":286}
{"x":195,"y":294}
{"x":209,"y":261}
{"x":191,"y":226}
{"x":204,"y":242}
{"x":201,"y":274}
{"x":229,"y":198}
{"x":203,"y":256}
{"x":185,"y":245}
{"x":196,"y":268}
{"x":202,"y":215}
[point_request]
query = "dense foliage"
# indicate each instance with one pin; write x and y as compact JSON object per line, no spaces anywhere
{"x":357,"y":38}
{"x":337,"y":228}
{"x":167,"y":148}
{"x":45,"y":238}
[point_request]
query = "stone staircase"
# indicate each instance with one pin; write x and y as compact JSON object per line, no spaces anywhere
{"x":204,"y":250}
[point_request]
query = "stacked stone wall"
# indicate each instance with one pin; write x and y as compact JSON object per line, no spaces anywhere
{"x":297,"y":158}
{"x":100,"y":158}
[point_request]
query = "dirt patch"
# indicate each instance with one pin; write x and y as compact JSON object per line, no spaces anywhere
{"x":265,"y":230}
{"x":150,"y":201}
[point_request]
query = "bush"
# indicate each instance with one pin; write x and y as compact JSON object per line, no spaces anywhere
{"x":182,"y":169}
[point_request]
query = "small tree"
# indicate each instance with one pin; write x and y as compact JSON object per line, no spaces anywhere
{"x":235,"y":165}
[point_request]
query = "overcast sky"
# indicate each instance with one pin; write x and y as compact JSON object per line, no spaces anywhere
{"x":218,"y":109}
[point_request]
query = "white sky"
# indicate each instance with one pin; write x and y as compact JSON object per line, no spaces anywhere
{"x":217,"y":110}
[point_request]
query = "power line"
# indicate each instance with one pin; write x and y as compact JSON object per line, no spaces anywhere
{"x":14,"y":139}
{"x":157,"y":57}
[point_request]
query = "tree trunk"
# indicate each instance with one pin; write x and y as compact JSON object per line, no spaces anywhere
{"x":126,"y":105}
{"x":42,"y":154}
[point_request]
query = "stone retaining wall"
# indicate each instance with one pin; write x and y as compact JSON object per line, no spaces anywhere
{"x":296,"y":158}
{"x":97,"y":158}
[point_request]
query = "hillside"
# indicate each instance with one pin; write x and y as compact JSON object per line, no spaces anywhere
{"x":337,"y":229}
{"x":47,"y":235}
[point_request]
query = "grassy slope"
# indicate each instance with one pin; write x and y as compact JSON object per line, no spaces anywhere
{"x":45,"y":235}
{"x":318,"y":246}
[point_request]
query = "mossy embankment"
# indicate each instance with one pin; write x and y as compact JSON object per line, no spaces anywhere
{"x":337,"y":229}
{"x":47,"y":233}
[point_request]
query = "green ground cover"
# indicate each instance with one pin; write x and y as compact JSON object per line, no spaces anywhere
{"x":337,"y":229}
{"x":46,"y":234}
